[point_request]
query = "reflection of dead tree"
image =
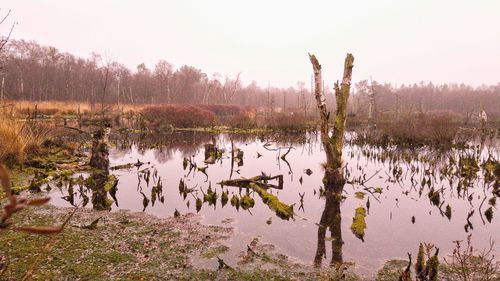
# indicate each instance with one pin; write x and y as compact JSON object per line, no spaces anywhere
{"x":268,"y":147}
{"x":283,"y":157}
{"x":261,"y":181}
{"x":236,"y":156}
{"x":232,"y":159}
{"x":331,"y":218}
{"x":302,"y":201}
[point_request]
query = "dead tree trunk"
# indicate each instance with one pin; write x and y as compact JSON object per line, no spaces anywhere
{"x":99,"y":161}
{"x":333,"y":144}
{"x":334,"y":179}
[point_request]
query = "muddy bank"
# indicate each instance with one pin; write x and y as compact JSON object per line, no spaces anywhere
{"x":135,"y":246}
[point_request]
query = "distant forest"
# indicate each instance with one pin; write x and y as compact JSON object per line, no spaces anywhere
{"x":41,"y":73}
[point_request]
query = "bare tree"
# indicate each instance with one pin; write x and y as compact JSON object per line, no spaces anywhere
{"x":333,"y":144}
{"x":3,"y":42}
{"x":5,"y":39}
{"x":230,"y":88}
{"x":163,"y":73}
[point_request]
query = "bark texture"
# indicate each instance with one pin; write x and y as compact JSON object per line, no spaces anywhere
{"x":99,"y":160}
{"x":333,"y":144}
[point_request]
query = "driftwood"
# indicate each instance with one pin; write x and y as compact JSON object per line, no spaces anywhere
{"x":261,"y":181}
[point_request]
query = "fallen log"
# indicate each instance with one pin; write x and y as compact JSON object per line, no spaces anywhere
{"x":282,"y":210}
{"x":259,"y":185}
{"x":261,"y":181}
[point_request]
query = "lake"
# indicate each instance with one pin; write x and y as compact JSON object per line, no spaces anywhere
{"x":398,"y":183}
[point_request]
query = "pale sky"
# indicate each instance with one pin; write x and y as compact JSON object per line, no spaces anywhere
{"x":397,"y":41}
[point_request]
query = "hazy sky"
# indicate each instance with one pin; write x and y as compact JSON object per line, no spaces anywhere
{"x":397,"y":41}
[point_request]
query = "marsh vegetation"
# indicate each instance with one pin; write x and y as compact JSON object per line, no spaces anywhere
{"x":169,"y":174}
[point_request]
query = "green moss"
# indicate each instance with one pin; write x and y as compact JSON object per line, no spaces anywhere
{"x":358,"y":225}
{"x":110,"y":182}
{"x":65,"y":174}
{"x":235,"y":201}
{"x":36,"y":184}
{"x":246,"y":202}
{"x":76,"y":254}
{"x":468,"y":166}
{"x":282,"y":210}
{"x":210,"y":196}
{"x":199,"y":204}
{"x":433,"y":268}
{"x":359,"y":195}
{"x":20,"y":179}
{"x":128,"y":247}
{"x":109,"y":202}
{"x":420,"y":265}
{"x":224,"y":198}
{"x":15,"y":190}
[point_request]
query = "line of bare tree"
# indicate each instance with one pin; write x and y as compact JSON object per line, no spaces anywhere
{"x":40,"y":73}
{"x":376,"y":100}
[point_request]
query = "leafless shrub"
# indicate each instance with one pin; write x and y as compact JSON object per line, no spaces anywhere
{"x":467,"y":264}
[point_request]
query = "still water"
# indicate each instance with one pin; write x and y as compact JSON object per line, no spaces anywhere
{"x":395,"y":182}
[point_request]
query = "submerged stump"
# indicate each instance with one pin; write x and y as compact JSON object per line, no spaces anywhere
{"x":99,"y":177}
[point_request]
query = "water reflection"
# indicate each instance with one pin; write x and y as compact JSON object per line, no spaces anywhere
{"x":439,"y":189}
{"x":330,"y":218}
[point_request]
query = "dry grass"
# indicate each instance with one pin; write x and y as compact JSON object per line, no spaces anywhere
{"x":19,"y":139}
{"x":50,"y":107}
{"x":66,"y":107}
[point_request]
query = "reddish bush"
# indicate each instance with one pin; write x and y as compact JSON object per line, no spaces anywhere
{"x":223,"y":109}
{"x":246,"y":119}
{"x":177,"y":115}
{"x":288,"y":122}
{"x":433,"y":128}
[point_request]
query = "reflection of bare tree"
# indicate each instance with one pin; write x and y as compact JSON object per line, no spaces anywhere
{"x":162,"y":155}
{"x":331,"y":218}
{"x":188,"y":143}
